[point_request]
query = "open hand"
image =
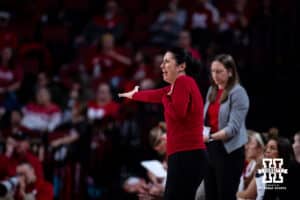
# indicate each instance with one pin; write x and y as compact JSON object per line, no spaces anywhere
{"x":130,"y":93}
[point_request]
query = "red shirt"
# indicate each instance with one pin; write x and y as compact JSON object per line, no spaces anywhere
{"x":96,"y":111}
{"x":10,"y":76}
{"x":108,"y":66}
{"x":41,"y":189}
{"x":195,"y":54}
{"x":9,"y":165}
{"x":183,"y":111}
{"x":213,"y":113}
{"x":39,"y":117}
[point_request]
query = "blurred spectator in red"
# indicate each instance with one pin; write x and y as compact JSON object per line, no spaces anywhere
{"x":168,"y":25}
{"x":184,"y":41}
{"x":233,"y":27}
{"x":43,"y":115}
{"x":7,"y":37}
{"x":35,"y":57}
{"x":205,"y":15}
{"x":203,"y":23}
{"x":110,"y":21}
{"x":10,"y":79}
{"x":235,"y":16}
{"x":17,"y":150}
{"x":141,"y":68}
{"x":103,"y":106}
{"x":110,"y":63}
{"x":31,"y":186}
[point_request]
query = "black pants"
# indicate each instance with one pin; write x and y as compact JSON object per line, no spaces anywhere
{"x":224,"y":171}
{"x":186,"y":171}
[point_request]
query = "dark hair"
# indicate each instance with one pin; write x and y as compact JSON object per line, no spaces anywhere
{"x":192,"y":66}
{"x":229,"y":63}
{"x":285,"y":150}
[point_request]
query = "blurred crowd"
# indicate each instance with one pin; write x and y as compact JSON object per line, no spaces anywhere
{"x":63,"y":62}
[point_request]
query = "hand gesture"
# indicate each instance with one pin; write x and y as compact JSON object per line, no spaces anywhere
{"x":130,"y":93}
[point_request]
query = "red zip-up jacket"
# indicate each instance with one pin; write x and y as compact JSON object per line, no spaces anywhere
{"x":183,"y":111}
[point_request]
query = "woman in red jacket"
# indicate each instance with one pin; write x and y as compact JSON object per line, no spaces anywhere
{"x":183,"y":112}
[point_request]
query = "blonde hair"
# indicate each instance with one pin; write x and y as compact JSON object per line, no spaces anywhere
{"x":156,"y":133}
{"x":258,"y":137}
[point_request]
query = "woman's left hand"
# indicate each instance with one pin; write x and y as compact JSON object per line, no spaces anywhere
{"x":220,"y":135}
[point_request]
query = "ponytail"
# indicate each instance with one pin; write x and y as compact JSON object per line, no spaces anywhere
{"x":193,"y":66}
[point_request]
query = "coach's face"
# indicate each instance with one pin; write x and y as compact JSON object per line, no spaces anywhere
{"x":170,"y":68}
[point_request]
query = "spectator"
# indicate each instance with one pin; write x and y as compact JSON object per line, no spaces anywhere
{"x":203,"y":23}
{"x":32,"y":187}
{"x":14,"y":126}
{"x":103,"y":106}
{"x":75,"y":96}
{"x":279,"y":148}
{"x":43,"y":115}
{"x":110,"y":22}
{"x":17,"y":151}
{"x":7,"y":36}
{"x":254,"y":154}
{"x":294,"y":169}
{"x":110,"y":63}
{"x":275,"y":148}
{"x":168,"y":25}
{"x":70,"y":150}
{"x":141,"y":69}
{"x":155,"y":188}
{"x":10,"y":80}
{"x":186,"y":43}
{"x":296,"y":146}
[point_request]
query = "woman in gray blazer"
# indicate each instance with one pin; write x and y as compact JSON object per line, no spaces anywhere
{"x":225,"y":111}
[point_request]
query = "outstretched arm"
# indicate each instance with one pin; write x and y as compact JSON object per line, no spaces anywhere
{"x":130,"y":93}
{"x":148,"y":96}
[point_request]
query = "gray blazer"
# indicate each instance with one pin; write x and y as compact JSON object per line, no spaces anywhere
{"x":232,"y":116}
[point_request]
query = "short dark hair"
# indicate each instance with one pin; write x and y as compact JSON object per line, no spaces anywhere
{"x":193,"y":66}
